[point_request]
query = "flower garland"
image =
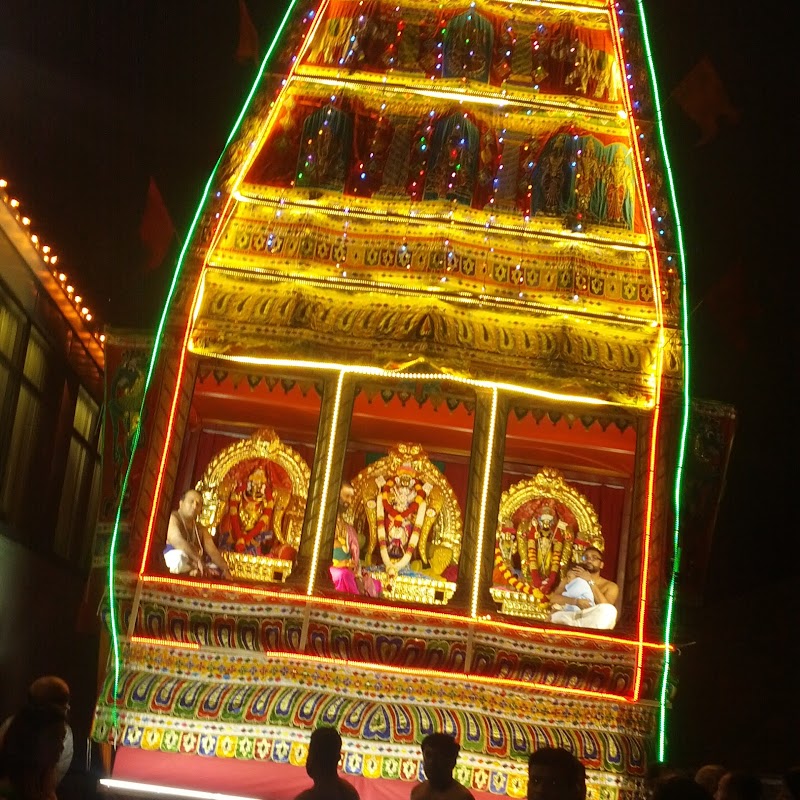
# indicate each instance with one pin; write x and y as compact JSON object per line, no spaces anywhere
{"x":385,"y":508}
{"x":512,"y":580}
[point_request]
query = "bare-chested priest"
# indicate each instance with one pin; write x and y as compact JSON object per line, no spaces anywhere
{"x":190,"y":548}
{"x":585,"y":598}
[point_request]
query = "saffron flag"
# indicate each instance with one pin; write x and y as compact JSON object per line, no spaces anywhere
{"x":156,"y":230}
{"x":703,"y":97}
{"x":247,"y":48}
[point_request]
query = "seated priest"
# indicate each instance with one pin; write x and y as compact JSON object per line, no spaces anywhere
{"x":190,"y":548}
{"x":584,"y":599}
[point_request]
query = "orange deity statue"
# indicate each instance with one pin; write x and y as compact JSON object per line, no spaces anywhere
{"x":252,"y":521}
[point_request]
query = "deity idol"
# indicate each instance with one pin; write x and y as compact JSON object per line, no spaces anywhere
{"x":401,"y":510}
{"x":252,"y":522}
{"x":409,"y":515}
{"x":542,"y":545}
{"x":542,"y":540}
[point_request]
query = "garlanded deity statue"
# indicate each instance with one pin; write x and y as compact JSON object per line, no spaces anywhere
{"x":412,"y":524}
{"x":540,"y":537}
{"x":405,"y":507}
{"x":254,"y":494}
{"x":252,"y":521}
{"x":544,"y":525}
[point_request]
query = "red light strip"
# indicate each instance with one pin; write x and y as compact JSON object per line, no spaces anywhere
{"x":168,"y":434}
{"x":651,"y":472}
{"x":651,"y":467}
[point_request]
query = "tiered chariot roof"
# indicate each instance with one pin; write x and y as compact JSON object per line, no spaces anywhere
{"x":466,"y":184}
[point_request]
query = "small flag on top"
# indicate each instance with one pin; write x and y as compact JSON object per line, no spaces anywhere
{"x":703,"y":97}
{"x":156,"y":229}
{"x":247,"y":49}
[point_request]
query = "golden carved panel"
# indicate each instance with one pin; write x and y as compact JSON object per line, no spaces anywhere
{"x":244,"y":314}
{"x":254,"y":501}
{"x":549,"y":272}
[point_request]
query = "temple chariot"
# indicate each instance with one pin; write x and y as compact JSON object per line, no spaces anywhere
{"x":423,"y":361}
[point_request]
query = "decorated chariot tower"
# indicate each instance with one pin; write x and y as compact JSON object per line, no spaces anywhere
{"x":422,"y":366}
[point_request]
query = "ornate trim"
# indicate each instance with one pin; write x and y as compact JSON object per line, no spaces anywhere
{"x":164,"y":692}
{"x":241,"y":314}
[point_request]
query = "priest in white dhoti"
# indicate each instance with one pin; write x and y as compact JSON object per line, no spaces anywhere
{"x":584,"y":599}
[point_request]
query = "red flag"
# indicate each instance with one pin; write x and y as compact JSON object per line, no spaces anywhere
{"x":247,"y":49}
{"x":703,"y":97}
{"x":155,"y":228}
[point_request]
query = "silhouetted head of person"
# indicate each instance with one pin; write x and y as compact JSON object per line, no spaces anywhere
{"x":324,"y":752}
{"x":658,"y":771}
{"x":739,"y":786}
{"x":555,"y":774}
{"x":49,"y":690}
{"x":709,"y":776}
{"x":790,"y":785}
{"x":439,"y":755}
{"x":33,"y":744}
{"x":680,"y":787}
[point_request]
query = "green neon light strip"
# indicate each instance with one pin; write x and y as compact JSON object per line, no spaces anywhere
{"x":662,"y":713}
{"x":157,"y":346}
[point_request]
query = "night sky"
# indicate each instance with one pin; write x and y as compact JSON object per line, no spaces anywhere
{"x":97,"y":98}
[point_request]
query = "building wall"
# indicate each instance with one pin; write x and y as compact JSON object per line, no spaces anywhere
{"x":40,"y":634}
{"x":50,"y":419}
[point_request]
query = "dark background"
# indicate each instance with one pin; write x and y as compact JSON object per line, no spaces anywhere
{"x":95,"y":99}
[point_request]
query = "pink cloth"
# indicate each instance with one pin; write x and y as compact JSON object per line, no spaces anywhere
{"x":344,"y":580}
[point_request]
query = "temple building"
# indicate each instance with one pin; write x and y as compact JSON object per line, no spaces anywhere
{"x":405,"y":453}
